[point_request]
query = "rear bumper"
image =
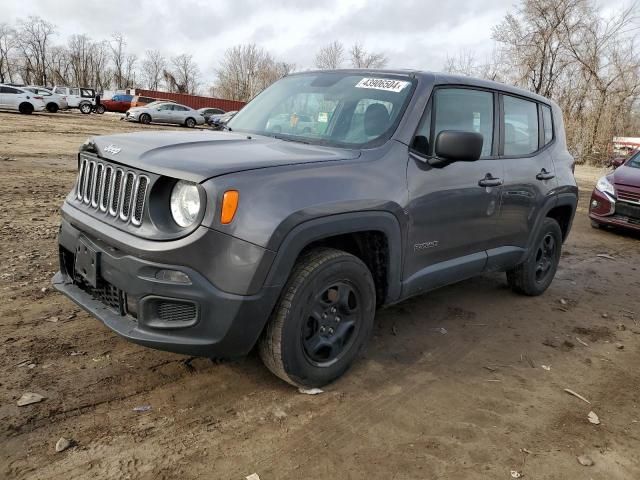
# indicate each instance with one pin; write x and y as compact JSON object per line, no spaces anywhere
{"x":224,"y":325}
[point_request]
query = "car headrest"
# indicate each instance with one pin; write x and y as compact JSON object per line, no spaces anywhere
{"x":376,"y":120}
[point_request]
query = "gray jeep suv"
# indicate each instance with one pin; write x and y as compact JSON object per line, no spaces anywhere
{"x":210,"y":243}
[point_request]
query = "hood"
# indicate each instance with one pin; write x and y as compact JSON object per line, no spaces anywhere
{"x":197,"y":156}
{"x":628,"y":176}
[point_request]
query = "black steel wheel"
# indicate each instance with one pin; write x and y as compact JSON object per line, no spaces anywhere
{"x":322,"y":320}
{"x":52,"y":107}
{"x":535,"y":274}
{"x":25,"y":108}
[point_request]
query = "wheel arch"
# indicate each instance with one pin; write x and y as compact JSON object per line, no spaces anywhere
{"x":562,"y":208}
{"x":374,"y":236}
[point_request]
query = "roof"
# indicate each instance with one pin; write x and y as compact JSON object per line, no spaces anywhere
{"x":440,"y":78}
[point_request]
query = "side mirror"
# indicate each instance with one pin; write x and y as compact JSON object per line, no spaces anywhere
{"x":458,"y":146}
{"x":617,"y":162}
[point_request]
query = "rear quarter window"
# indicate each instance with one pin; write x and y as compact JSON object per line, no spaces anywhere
{"x":547,"y":119}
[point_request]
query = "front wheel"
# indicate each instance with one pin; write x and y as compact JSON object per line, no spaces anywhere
{"x":100,"y":109}
{"x":145,"y":118}
{"x":85,"y":108}
{"x":533,"y":276}
{"x":52,"y":107}
{"x":322,"y":320}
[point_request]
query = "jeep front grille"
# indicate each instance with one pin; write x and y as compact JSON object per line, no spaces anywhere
{"x":119,"y":192}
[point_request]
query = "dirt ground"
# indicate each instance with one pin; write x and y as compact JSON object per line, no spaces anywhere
{"x":470,"y":401}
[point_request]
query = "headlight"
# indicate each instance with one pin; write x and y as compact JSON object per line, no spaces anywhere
{"x":185,"y":203}
{"x":604,"y":185}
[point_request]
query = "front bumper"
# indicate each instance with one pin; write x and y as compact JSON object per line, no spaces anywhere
{"x":606,"y":211}
{"x":219,"y":324}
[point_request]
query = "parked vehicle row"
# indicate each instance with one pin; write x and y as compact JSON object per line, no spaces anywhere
{"x":165,"y":112}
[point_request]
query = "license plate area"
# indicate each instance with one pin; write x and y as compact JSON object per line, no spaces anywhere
{"x":86,"y":265}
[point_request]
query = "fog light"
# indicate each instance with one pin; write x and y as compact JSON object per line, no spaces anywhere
{"x":594,"y":204}
{"x":173,"y":276}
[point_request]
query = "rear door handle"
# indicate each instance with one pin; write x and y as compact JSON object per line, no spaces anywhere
{"x":490,"y":181}
{"x":544,"y":175}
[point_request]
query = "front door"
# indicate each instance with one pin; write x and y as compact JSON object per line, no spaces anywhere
{"x":454,"y":210}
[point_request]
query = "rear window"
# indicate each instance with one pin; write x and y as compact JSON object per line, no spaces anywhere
{"x":520,"y":126}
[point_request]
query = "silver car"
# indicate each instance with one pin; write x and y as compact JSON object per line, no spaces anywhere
{"x":53,"y":101}
{"x":165,"y":112}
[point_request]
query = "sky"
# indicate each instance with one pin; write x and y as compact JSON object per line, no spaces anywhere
{"x":411,"y":33}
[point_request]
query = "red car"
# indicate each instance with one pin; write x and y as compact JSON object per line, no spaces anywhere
{"x":616,"y":199}
{"x":117,"y":103}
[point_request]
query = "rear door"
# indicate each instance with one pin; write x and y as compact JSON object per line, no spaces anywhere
{"x":529,"y":170}
{"x":11,"y":97}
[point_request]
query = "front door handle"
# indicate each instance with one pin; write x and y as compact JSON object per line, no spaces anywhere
{"x":490,"y":181}
{"x":544,"y":175}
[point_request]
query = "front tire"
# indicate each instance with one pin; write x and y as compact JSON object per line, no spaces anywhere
{"x":322,"y":320}
{"x":52,"y":107}
{"x":100,"y":109}
{"x":535,"y":274}
{"x":145,"y":118}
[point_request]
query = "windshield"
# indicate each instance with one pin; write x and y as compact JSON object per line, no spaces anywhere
{"x":332,"y":108}
{"x":634,"y":161}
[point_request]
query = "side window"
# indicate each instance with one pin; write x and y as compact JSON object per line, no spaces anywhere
{"x":60,"y":91}
{"x":467,"y":110}
{"x":548,"y":124}
{"x":10,"y":90}
{"x":75,"y":91}
{"x":520,"y":126}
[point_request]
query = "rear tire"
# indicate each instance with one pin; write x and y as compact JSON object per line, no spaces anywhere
{"x":533,"y":276}
{"x":85,"y":108}
{"x":145,"y":118}
{"x":190,"y":122}
{"x":25,"y":108}
{"x":52,"y":107}
{"x":322,"y":321}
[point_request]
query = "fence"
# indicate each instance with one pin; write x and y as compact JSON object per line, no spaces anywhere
{"x":193,"y":101}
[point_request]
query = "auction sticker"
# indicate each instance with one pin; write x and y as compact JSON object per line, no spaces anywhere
{"x":382,"y":84}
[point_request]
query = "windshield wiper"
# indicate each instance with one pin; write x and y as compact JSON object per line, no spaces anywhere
{"x":289,"y":139}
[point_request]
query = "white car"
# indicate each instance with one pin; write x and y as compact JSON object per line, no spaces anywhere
{"x":52,"y":101}
{"x":165,"y":112}
{"x":18,"y":99}
{"x":81,"y":98}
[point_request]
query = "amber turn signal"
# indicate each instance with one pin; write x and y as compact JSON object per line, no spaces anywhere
{"x":229,"y":206}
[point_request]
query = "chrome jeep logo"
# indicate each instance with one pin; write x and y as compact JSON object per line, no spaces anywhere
{"x":112,"y":149}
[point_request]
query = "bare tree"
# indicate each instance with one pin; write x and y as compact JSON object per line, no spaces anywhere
{"x":130,"y":70}
{"x":118,"y":57}
{"x":185,"y":74}
{"x":360,"y":58}
{"x":33,"y":40}
{"x":330,"y":56}
{"x":7,"y":45}
{"x":246,"y":70}
{"x":152,"y":66}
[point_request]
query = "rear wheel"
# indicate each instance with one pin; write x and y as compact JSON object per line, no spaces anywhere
{"x":26,"y":108}
{"x":535,"y":274}
{"x":85,"y":108}
{"x":322,"y":320}
{"x":145,"y":118}
{"x":52,"y":107}
{"x":190,"y":122}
